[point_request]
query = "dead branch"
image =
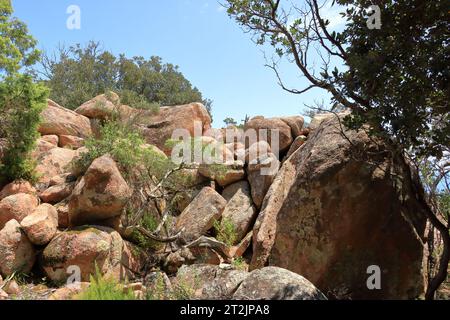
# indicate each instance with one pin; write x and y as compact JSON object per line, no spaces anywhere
{"x":210,"y":243}
{"x":148,"y":234}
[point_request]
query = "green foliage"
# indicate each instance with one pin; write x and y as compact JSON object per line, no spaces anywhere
{"x":143,"y":166}
{"x":159,"y":291}
{"x":182,"y":289}
{"x":79,"y":73}
{"x":119,"y":141}
{"x":402,"y":69}
{"x":225,"y":231}
{"x":150,"y":223}
{"x":394,"y":78}
{"x":103,"y":288}
{"x":131,"y":98}
{"x":239,"y":264}
{"x":435,"y":179}
{"x":21,"y":102}
{"x":230,"y":121}
{"x":17,"y":47}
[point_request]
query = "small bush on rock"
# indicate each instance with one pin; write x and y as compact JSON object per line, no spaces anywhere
{"x":103,"y":288}
{"x":122,"y":143}
{"x":225,"y":231}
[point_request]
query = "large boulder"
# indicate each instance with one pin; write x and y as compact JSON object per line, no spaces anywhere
{"x":261,"y":172}
{"x":15,"y":187}
{"x":257,"y":150}
{"x":57,"y":193}
{"x":240,"y":211}
{"x":105,"y":106}
{"x":89,"y":247}
{"x":16,"y":251}
{"x":298,"y":142}
{"x":341,"y":204}
{"x":208,"y":282}
{"x":317,"y":120}
{"x":17,"y":206}
{"x":223,"y":174}
{"x":54,"y":162}
{"x":41,"y":225}
{"x":101,"y":193}
{"x":200,"y":215}
{"x":296,"y":124}
{"x":267,"y":125}
{"x":61,"y":121}
{"x":158,"y":128}
{"x":272,"y":283}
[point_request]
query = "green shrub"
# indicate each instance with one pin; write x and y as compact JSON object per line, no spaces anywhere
{"x":150,"y":223}
{"x":117,"y":140}
{"x":182,"y":291}
{"x":137,"y":101}
{"x":159,"y":291}
{"x":225,"y":231}
{"x":239,"y":264}
{"x":103,"y":288}
{"x":21,"y":102}
{"x":143,"y":166}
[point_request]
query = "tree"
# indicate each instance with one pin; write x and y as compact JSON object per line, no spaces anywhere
{"x":76,"y":74}
{"x":21,"y":100}
{"x":395,"y":78}
{"x":435,"y":175}
{"x":230,"y":121}
{"x":17,"y":46}
{"x":403,"y":96}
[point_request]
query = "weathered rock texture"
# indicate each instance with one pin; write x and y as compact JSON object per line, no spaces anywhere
{"x":272,"y":283}
{"x":209,"y":282}
{"x":54,"y":162}
{"x":17,"y":206}
{"x":16,"y":251}
{"x":261,"y":173}
{"x":331,"y":213}
{"x":101,"y":194}
{"x":271,"y":124}
{"x":240,"y":211}
{"x":158,"y":128}
{"x":88,"y":247}
{"x":41,"y":225}
{"x":57,"y":120}
{"x":200,"y":214}
{"x":16,"y":187}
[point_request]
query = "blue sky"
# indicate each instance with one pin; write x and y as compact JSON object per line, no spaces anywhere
{"x":211,"y":49}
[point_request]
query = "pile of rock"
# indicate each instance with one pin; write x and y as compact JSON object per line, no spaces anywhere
{"x":320,"y":211}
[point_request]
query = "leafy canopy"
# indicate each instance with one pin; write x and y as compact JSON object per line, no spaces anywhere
{"x":76,"y":74}
{"x":396,"y":78}
{"x":21,"y":100}
{"x":17,"y":47}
